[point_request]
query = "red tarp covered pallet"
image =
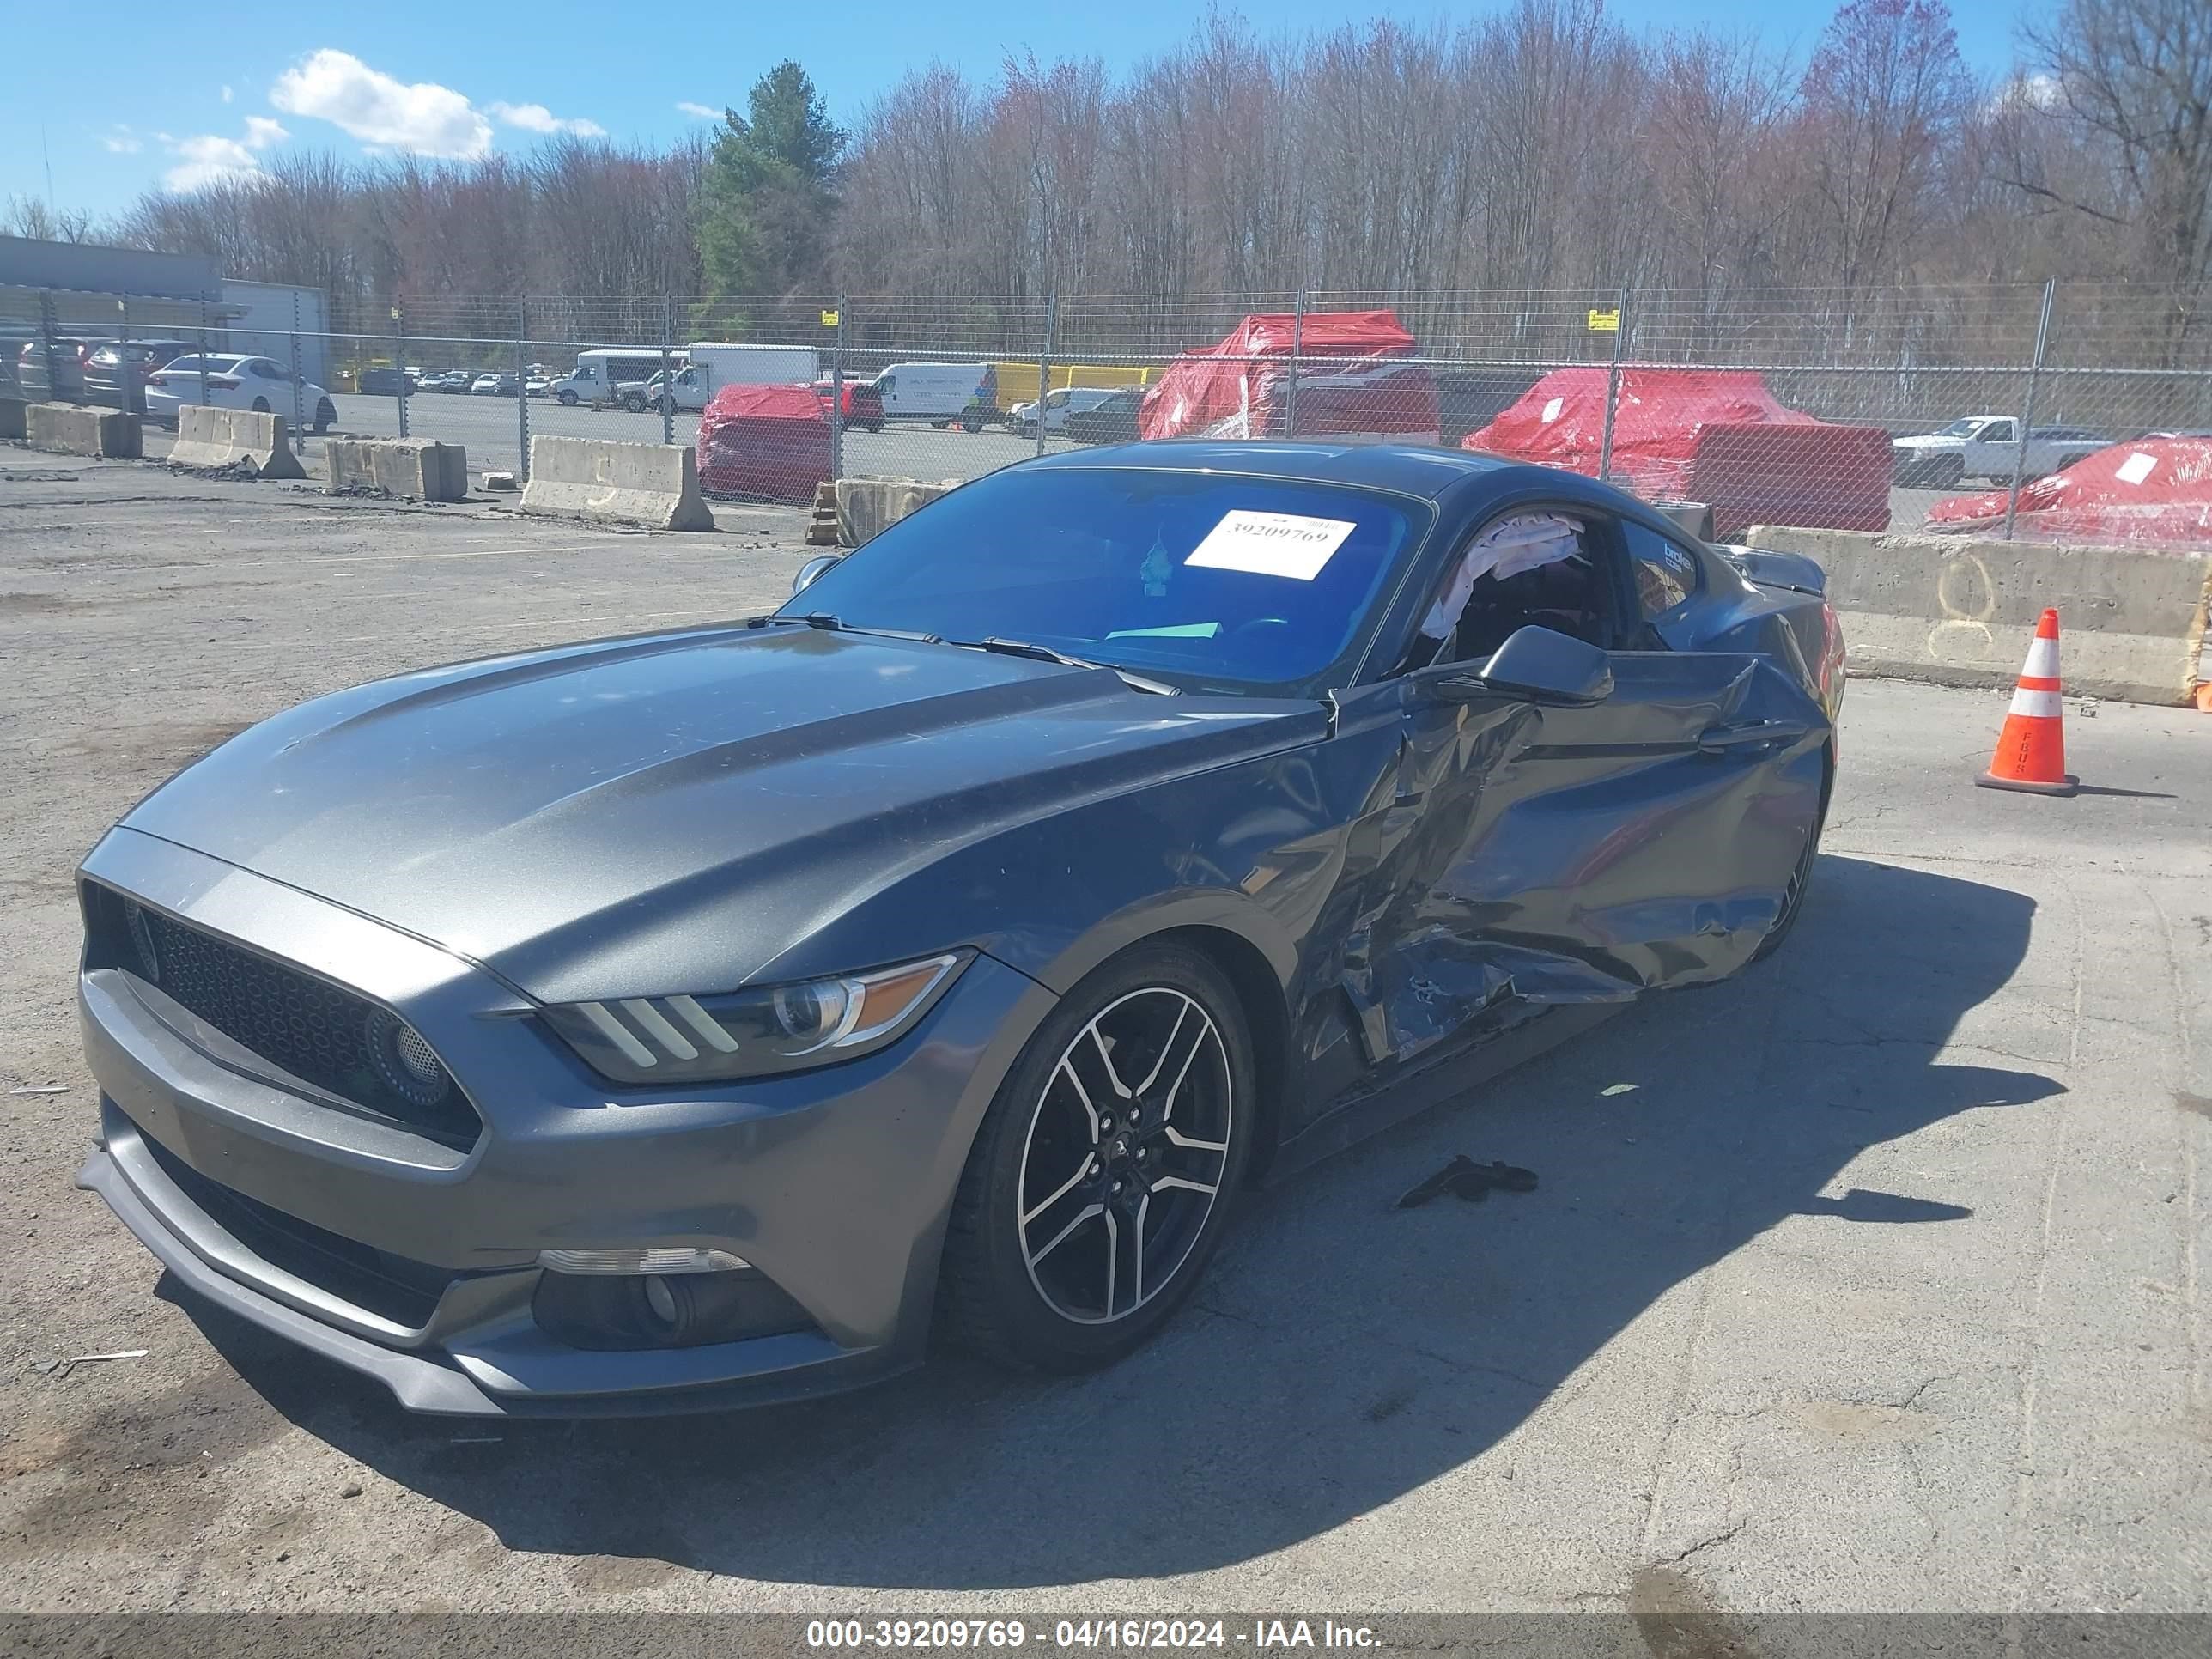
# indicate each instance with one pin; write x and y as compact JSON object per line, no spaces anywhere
{"x":1240,"y":387}
{"x":767,"y":443}
{"x":1713,"y":436}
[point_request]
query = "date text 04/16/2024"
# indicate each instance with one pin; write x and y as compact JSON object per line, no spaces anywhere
{"x":1092,"y":1635}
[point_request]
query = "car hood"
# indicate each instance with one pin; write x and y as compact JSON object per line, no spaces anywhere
{"x":673,"y":813}
{"x":1927,"y":440}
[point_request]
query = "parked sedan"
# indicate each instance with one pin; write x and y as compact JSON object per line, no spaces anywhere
{"x":57,"y":375}
{"x":1060,"y":405}
{"x":261,"y":384}
{"x":387,"y":382}
{"x":1113,"y":420}
{"x":495,"y":386}
{"x":116,"y":373}
{"x":698,"y":1019}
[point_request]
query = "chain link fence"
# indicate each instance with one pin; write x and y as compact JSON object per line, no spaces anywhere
{"x":2012,"y":409}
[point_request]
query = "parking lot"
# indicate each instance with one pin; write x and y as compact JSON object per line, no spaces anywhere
{"x":491,"y":431}
{"x":1870,"y":1280}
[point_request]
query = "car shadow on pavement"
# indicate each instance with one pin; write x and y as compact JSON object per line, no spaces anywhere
{"x":1342,"y":1353}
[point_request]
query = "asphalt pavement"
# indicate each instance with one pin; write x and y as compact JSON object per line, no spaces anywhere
{"x":1869,"y":1281}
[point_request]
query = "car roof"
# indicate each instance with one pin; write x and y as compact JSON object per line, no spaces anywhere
{"x":1417,"y":469}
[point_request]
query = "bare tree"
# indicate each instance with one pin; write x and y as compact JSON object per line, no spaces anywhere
{"x":1885,"y":103}
{"x":2114,"y":123}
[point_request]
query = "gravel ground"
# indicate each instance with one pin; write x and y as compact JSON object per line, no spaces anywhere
{"x":1879,"y":1288}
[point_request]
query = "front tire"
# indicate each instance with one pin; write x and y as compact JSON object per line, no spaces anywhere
{"x":326,"y":416}
{"x":261,"y":406}
{"x":1106,"y":1168}
{"x":568,"y":400}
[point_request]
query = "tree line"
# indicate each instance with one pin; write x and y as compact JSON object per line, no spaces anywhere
{"x":1543,"y":147}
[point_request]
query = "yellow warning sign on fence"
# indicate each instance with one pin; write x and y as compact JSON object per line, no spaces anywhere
{"x":829,"y":320}
{"x":1605,"y":322}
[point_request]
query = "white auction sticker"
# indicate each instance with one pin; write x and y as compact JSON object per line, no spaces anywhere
{"x":1271,"y":544}
{"x":2136,"y":468}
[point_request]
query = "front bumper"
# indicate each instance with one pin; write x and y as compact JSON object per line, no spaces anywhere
{"x":835,"y":1184}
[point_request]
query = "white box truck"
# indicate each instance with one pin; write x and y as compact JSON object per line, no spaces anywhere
{"x":708,"y":366}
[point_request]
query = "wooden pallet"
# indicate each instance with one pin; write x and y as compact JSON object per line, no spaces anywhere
{"x":822,"y":530}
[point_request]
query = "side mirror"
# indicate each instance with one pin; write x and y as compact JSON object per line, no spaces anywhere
{"x":1540,"y":665}
{"x":813,"y":568}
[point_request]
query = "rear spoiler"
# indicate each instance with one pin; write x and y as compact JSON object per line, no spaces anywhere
{"x":1793,"y":571}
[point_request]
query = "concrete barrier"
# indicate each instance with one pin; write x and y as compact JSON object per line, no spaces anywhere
{"x":413,"y":468}
{"x":867,"y":507}
{"x":258,"y":445}
{"x":66,"y":429}
{"x":1962,"y":612}
{"x":656,"y":485}
{"x":11,"y":418}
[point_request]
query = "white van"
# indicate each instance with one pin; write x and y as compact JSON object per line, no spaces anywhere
{"x":600,"y":374}
{"x":940,"y":393}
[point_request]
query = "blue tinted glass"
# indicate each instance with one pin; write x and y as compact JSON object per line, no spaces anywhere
{"x":1099,"y":563}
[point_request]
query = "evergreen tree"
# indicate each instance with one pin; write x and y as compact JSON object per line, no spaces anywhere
{"x":769,"y":191}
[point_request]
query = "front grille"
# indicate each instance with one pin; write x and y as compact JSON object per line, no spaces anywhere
{"x":393,"y":1287}
{"x":312,"y":1029}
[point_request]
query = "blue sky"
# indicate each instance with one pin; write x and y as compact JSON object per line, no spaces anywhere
{"x":163,"y":98}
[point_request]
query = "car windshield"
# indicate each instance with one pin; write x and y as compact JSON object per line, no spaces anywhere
{"x":1207,"y":580}
{"x":1965,"y":428}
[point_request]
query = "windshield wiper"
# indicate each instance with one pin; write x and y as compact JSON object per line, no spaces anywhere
{"x":830,"y":625}
{"x":1006,"y":648}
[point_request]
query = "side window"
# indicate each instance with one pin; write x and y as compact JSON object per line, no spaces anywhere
{"x":1998,"y":432}
{"x":1530,"y":567}
{"x":1666,"y":574}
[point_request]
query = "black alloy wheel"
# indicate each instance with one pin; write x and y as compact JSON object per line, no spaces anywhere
{"x":1105,"y":1169}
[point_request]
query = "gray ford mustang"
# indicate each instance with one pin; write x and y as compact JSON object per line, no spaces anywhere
{"x":699,"y":1018}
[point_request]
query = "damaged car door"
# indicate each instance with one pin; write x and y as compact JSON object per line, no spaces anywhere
{"x":1574,"y":824}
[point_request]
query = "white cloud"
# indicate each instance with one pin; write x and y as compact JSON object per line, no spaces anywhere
{"x":536,"y":117}
{"x":210,"y":158}
{"x":697,"y":111}
{"x":2037,"y":91}
{"x":122,"y":142}
{"x":424,"y":118}
{"x":226,"y":94}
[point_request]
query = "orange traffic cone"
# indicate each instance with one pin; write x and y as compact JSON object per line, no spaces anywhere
{"x":2032,"y":749}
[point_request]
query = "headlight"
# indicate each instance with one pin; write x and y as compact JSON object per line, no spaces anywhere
{"x":753,"y":1033}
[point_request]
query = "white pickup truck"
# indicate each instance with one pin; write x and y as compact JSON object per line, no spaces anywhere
{"x":1987,"y":447}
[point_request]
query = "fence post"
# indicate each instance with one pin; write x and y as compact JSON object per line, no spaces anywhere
{"x":2027,"y":403}
{"x":299,"y":396}
{"x":204,"y":353}
{"x":837,"y":396}
{"x":1613,"y":384}
{"x":1044,"y":362}
{"x":522,"y":388}
{"x":122,"y":357}
{"x":46,"y":344}
{"x":667,"y":373}
{"x":399,"y":360}
{"x":1298,"y":345}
